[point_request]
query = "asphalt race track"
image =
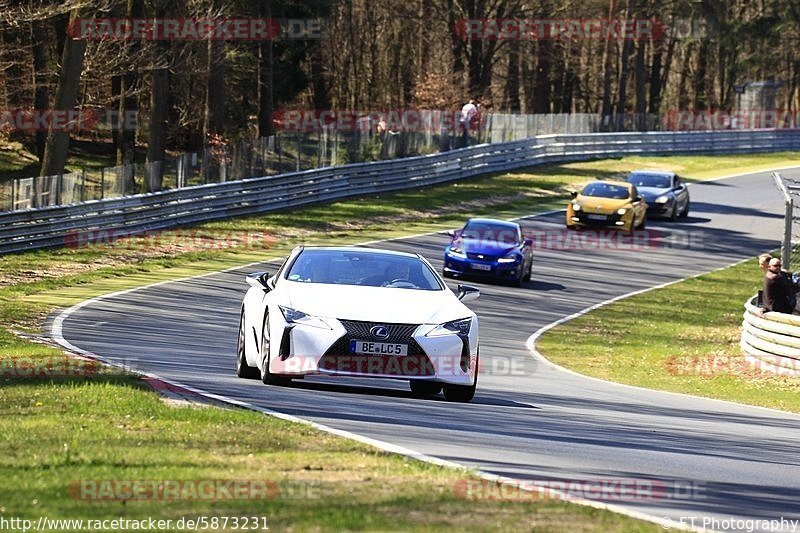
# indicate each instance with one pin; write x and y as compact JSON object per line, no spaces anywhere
{"x":528,"y":420}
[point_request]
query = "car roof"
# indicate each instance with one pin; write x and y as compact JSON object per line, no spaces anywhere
{"x":610,"y":182}
{"x":653,"y":172}
{"x":360,"y":249}
{"x":494,"y":221}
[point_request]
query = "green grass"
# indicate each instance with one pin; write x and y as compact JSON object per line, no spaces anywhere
{"x":57,"y":434}
{"x":108,"y":426}
{"x":664,"y":340}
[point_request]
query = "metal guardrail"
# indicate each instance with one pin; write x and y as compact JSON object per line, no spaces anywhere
{"x":772,"y":338}
{"x":56,"y":226}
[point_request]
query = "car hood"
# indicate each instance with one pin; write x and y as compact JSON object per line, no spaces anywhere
{"x":652,"y":192}
{"x":477,"y":246}
{"x":597,"y":204}
{"x":376,"y":304}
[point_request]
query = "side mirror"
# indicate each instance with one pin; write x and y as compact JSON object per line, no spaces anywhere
{"x":451,"y":233}
{"x":637,"y":199}
{"x":259,"y":280}
{"x":574,"y":194}
{"x":468,"y":293}
{"x":527,"y":241}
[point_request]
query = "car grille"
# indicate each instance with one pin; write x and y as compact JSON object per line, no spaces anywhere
{"x":397,"y":332}
{"x":608,"y":220}
{"x":483,"y":257}
{"x":420,"y":364}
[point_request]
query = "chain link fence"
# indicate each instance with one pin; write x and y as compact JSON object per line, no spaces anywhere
{"x":790,"y":243}
{"x":290,"y":151}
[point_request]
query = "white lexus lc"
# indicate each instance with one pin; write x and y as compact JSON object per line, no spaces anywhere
{"x":349,"y":311}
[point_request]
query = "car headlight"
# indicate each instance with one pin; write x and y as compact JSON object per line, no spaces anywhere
{"x":457,"y":251}
{"x":576,"y":206}
{"x":510,"y":258}
{"x":459,"y":327}
{"x":293,"y":316}
{"x":621,"y":211}
{"x":662,"y":199}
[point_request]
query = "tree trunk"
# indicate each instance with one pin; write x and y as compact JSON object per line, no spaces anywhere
{"x":640,"y":81}
{"x":607,"y":68}
{"x":541,"y":101}
{"x":159,"y":104}
{"x":128,"y":102}
{"x":57,"y":144}
{"x":511,"y":98}
{"x":265,"y":69}
{"x":41,"y":98}
{"x":214,"y":115}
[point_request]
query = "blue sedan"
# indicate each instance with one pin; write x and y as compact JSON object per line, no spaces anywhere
{"x":489,"y":248}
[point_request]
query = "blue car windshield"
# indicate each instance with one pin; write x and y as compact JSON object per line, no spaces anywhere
{"x":605,"y":190}
{"x":650,"y":180}
{"x":372,"y":269}
{"x":487,"y":232}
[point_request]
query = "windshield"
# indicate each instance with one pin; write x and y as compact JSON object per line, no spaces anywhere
{"x":486,"y":231}
{"x":650,"y":180}
{"x":606,"y":190}
{"x":371,"y":269}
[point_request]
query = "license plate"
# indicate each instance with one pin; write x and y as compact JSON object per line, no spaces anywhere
{"x":598,"y":218}
{"x":478,"y":266}
{"x":378,"y":348}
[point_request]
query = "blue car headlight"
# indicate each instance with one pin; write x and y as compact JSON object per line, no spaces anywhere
{"x":510,"y":258}
{"x":459,"y":327}
{"x":663,"y":199}
{"x":293,"y":316}
{"x":456,"y":251}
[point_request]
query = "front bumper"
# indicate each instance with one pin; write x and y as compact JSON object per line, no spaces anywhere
{"x":659,"y":210}
{"x":450,"y":359}
{"x":489,"y":267}
{"x":598,"y":220}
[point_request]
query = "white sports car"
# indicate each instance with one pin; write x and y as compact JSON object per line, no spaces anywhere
{"x":363,"y":312}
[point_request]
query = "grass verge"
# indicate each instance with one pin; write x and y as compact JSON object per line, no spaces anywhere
{"x":107,"y":426}
{"x":634,"y":341}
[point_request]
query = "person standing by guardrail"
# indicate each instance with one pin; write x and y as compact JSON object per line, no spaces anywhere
{"x":779,"y":295}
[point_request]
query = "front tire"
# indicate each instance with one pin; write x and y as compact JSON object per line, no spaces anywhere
{"x":674,"y":215}
{"x":459,"y":393}
{"x":685,"y":212}
{"x":425,"y":388}
{"x":243,"y":370}
{"x":267,"y":377}
{"x":463,"y":393}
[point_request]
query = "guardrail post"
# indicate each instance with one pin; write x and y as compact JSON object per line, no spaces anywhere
{"x":13,"y":195}
{"x":83,"y":184}
{"x":59,"y":182}
{"x":788,"y":211}
{"x":786,"y":246}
